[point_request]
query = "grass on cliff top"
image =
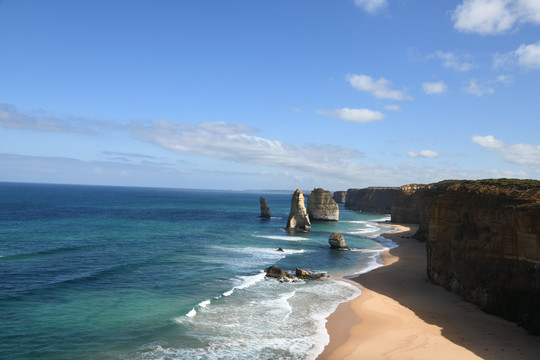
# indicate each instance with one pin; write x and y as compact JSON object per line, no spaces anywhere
{"x":502,"y":191}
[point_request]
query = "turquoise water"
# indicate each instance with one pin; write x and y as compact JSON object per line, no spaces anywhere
{"x":93,"y":272}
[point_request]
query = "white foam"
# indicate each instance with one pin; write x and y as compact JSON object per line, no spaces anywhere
{"x":282,"y":237}
{"x":204,"y":303}
{"x":191,"y":313}
{"x":269,"y":321}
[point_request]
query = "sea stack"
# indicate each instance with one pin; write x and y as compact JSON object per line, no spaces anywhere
{"x":298,"y":217}
{"x":337,"y":241}
{"x":321,"y":206}
{"x":265,"y":210}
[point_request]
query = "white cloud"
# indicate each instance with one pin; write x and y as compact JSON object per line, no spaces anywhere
{"x":526,"y":56}
{"x":392,"y":107}
{"x":519,"y":154}
{"x":529,"y":56}
{"x":423,"y":153}
{"x":453,"y":61}
{"x":353,"y":115}
{"x":379,"y":88}
{"x":488,"y":141}
{"x":434,"y":87}
{"x":494,"y":16}
{"x":473,"y":87}
{"x":11,"y":118}
{"x":371,"y":6}
{"x":231,"y":142}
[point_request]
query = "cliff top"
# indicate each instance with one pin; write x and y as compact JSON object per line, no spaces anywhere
{"x":514,"y":192}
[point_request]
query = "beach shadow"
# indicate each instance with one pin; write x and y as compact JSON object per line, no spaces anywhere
{"x":462,"y":323}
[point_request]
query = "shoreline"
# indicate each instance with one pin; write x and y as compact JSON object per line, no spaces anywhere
{"x":402,"y":315}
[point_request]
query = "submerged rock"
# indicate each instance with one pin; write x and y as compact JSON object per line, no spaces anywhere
{"x":280,"y":250}
{"x":337,"y":241}
{"x":298,"y":218}
{"x":265,"y":210}
{"x":321,"y":206}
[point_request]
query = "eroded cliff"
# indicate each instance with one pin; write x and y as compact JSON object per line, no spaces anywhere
{"x":372,"y":199}
{"x":483,"y":241}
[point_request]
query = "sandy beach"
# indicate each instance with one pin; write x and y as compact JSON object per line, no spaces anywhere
{"x":402,"y":315}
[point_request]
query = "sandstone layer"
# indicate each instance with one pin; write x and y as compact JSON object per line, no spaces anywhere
{"x":321,"y":206}
{"x":483,"y":241}
{"x":373,"y":199}
{"x":298,"y":218}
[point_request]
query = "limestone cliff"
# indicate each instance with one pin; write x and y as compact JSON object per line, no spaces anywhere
{"x":373,"y":199}
{"x":483,"y":241}
{"x":340,"y":197}
{"x":321,"y":206}
{"x":298,"y":218}
{"x":407,"y":204}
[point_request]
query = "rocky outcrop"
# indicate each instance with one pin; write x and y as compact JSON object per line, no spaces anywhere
{"x":407,"y":204}
{"x":373,"y":199}
{"x":283,"y":276}
{"x":298,"y":218}
{"x":265,"y":210}
{"x":483,"y":241}
{"x":337,"y":241}
{"x":321,"y":206}
{"x":308,"y":275}
{"x":278,"y":273}
{"x":340,"y":197}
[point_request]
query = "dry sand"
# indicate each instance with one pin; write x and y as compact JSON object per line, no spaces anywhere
{"x":402,"y":315}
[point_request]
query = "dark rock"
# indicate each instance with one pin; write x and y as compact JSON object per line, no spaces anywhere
{"x":265,"y":210}
{"x":340,"y":197}
{"x":280,"y":250}
{"x":278,"y":273}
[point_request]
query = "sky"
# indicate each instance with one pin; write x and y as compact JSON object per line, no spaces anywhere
{"x":281,"y":94}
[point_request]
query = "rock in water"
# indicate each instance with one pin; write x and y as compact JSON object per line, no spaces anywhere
{"x":321,"y":206}
{"x":278,"y":273}
{"x":298,"y":217}
{"x":305,"y":274}
{"x":265,"y":210}
{"x":337,"y":241}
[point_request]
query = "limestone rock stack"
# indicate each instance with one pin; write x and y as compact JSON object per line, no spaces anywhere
{"x":298,"y":217}
{"x":337,"y":241}
{"x":265,"y":210}
{"x":321,"y":206}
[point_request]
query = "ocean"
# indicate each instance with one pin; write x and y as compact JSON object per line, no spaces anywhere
{"x":97,"y":272}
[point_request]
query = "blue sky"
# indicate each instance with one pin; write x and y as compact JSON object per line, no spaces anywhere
{"x":244,"y":94}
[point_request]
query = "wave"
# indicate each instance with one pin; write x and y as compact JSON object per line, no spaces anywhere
{"x":246,"y":282}
{"x":270,"y":320}
{"x":282,"y":237}
{"x":51,"y":251}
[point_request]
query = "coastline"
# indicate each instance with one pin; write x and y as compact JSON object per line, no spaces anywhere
{"x":402,"y":315}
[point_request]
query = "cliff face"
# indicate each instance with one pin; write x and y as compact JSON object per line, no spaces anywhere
{"x":407,"y":204}
{"x":321,"y":206}
{"x":373,"y":199}
{"x":483,"y":241}
{"x":340,"y":197}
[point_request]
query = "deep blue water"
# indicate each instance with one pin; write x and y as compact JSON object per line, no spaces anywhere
{"x":95,"y":272}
